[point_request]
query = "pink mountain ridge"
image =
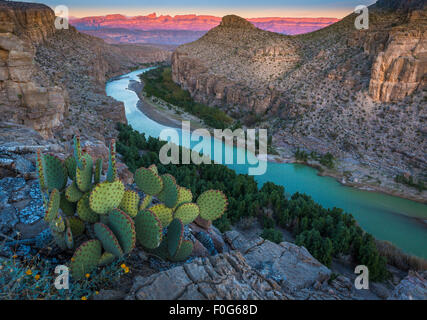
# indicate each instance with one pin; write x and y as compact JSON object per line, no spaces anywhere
{"x":192,"y":22}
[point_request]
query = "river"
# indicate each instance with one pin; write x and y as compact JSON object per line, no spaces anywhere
{"x":385,"y":217}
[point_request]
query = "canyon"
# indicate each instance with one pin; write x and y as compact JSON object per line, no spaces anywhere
{"x":52,"y":87}
{"x":358,"y":94}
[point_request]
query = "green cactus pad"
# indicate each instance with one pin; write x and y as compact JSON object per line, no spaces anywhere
{"x":163,"y":213}
{"x":175,"y":236}
{"x":59,"y":238}
{"x":85,"y":259}
{"x":145,"y":202}
{"x":112,"y":171}
{"x":53,"y":206}
{"x":54,"y":172}
{"x":130,"y":202}
{"x":148,"y":181}
{"x":187,"y":212}
{"x":184,"y":195}
{"x":67,"y":207}
{"x":84,"y":174}
{"x":153,"y":168}
{"x":69,"y":240}
{"x":40,"y":172}
{"x":77,"y":226}
{"x":184,"y":251}
{"x":106,"y":196}
{"x":84,"y":211}
{"x":98,"y":171}
{"x":71,"y":165}
{"x":106,"y":259}
{"x":212,"y":204}
{"x":109,"y":241}
{"x":162,"y":250}
{"x":169,"y":193}
{"x":77,"y":149}
{"x":72,"y":193}
{"x":57,"y":224}
{"x":124,"y":228}
{"x":148,"y":229}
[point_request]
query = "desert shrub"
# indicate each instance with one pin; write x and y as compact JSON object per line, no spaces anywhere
{"x":272,"y":234}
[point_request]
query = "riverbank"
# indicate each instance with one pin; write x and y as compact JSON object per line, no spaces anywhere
{"x":347,"y":173}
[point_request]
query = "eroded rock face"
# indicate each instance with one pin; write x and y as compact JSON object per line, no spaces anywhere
{"x":23,"y":100}
{"x":413,"y":287}
{"x":293,"y":267}
{"x":221,"y":277}
{"x":31,"y":20}
{"x":400,"y":68}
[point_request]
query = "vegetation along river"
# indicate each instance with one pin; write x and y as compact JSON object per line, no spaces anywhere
{"x":400,"y":221}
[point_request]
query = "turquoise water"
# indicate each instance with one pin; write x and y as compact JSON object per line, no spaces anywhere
{"x":386,"y":217}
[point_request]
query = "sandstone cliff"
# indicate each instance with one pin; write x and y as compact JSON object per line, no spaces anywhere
{"x":53,"y":80}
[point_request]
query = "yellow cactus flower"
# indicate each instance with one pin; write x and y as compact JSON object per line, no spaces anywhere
{"x":126,"y":269}
{"x":84,"y":298}
{"x":96,"y":292}
{"x":123,"y":266}
{"x":87,"y":275}
{"x":37,"y":277}
{"x":29,"y":272}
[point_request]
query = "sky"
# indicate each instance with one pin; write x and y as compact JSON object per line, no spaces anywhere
{"x":243,"y":8}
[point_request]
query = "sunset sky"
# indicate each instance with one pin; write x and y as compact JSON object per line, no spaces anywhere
{"x":244,"y":8}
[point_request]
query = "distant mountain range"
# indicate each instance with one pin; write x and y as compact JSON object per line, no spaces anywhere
{"x":179,"y":29}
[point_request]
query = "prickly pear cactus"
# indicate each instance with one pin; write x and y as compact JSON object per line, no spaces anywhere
{"x":212,"y":204}
{"x":89,"y":207}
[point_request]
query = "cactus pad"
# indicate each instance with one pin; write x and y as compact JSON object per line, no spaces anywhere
{"x":85,"y":259}
{"x":175,"y":236}
{"x":108,"y":239}
{"x":124,"y":228}
{"x":183,"y":251}
{"x":57,"y":224}
{"x":71,"y":165}
{"x":148,"y":229}
{"x":67,"y":207}
{"x":112,"y":171}
{"x":130,"y":203}
{"x":77,"y":226}
{"x":163,"y":213}
{"x":53,"y":206}
{"x":184,"y":195}
{"x":148,"y":181}
{"x":72,"y":193}
{"x":69,"y":240}
{"x":106,"y":258}
{"x":187,"y":212}
{"x":54,"y":172}
{"x":59,"y":238}
{"x":145,"y":202}
{"x":40,"y":172}
{"x":169,"y":193}
{"x":153,"y":168}
{"x":162,"y":250}
{"x":84,"y":211}
{"x":84,"y":174}
{"x":212,"y":204}
{"x":106,"y":196}
{"x":98,"y":171}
